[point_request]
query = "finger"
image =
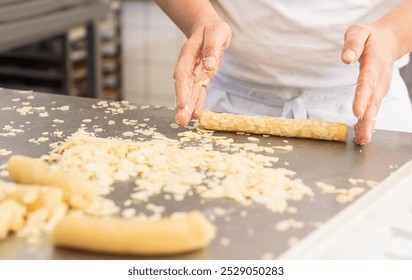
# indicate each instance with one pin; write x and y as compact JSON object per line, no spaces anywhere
{"x":199,"y":103}
{"x":366,"y":126}
{"x":366,"y":86}
{"x":216,"y":39}
{"x":183,"y":88}
{"x":183,"y":74}
{"x":355,"y":39}
{"x":184,"y":114}
{"x":193,"y":98}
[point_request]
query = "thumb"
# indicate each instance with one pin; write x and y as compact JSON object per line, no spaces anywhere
{"x":216,"y":38}
{"x":355,"y":39}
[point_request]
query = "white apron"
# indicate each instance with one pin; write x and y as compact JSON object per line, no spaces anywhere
{"x":331,"y":104}
{"x":284,"y":60}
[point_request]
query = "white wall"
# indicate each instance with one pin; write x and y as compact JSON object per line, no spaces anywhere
{"x":151,"y":45}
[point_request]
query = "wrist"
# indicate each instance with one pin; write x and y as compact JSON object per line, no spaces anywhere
{"x":392,"y":39}
{"x":201,"y":23}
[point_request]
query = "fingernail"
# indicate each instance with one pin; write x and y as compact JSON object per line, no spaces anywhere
{"x":181,"y":118}
{"x":195,"y":115}
{"x":349,"y":55}
{"x":210,"y":62}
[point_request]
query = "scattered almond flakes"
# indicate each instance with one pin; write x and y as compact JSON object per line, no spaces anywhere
{"x":174,"y":125}
{"x":185,"y":139}
{"x":343,"y":196}
{"x":243,"y":213}
{"x":63,"y":108}
{"x":325,"y":188}
{"x":155,"y":208}
{"x":283,"y":148}
{"x":129,"y":122}
{"x":4,"y":152}
{"x":87,"y":120}
{"x":224,"y":241}
{"x":24,"y":91}
{"x":268,"y":256}
{"x":371,"y":183}
{"x":315,"y":224}
{"x":351,"y":194}
{"x":355,"y":191}
{"x":128,"y":213}
{"x":24,"y":110}
{"x":292,"y":210}
{"x":253,"y":139}
{"x":143,"y":107}
{"x":269,"y":150}
{"x":39,"y":140}
{"x":292,"y":241}
{"x":287,"y":224}
{"x":343,"y":199}
{"x":220,"y":212}
{"x":247,"y":177}
{"x":128,"y":134}
{"x":127,"y":202}
{"x":355,"y":182}
{"x":57,"y":133}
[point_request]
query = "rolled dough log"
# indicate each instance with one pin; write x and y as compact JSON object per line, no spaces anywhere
{"x":303,"y":128}
{"x":127,"y":236}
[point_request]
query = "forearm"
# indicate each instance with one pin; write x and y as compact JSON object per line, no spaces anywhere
{"x":187,"y":14}
{"x":399,"y":20}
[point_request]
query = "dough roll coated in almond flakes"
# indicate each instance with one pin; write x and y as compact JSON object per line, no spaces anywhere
{"x":302,"y":128}
{"x":167,"y":236}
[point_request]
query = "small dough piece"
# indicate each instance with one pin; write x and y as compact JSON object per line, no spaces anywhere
{"x":78,"y":192}
{"x":135,"y":237}
{"x":11,"y":217}
{"x":34,"y":197}
{"x":303,"y":128}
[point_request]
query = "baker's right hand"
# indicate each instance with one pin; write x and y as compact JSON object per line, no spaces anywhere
{"x":199,"y":61}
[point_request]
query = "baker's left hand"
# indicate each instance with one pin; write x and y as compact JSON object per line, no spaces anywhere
{"x":376,"y":48}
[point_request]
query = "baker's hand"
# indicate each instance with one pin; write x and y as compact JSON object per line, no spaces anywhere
{"x":198,"y":63}
{"x":376,"y":48}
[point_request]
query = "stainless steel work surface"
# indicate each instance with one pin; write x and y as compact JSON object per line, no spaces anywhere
{"x":250,"y":236}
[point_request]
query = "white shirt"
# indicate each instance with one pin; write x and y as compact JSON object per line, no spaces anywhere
{"x":294,"y":43}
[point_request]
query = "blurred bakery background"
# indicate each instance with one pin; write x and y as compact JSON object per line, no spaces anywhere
{"x":108,"y":49}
